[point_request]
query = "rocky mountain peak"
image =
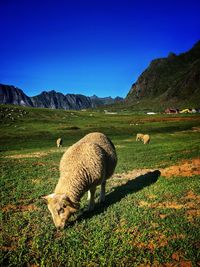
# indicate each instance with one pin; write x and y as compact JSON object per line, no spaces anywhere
{"x":10,"y":94}
{"x":175,"y":78}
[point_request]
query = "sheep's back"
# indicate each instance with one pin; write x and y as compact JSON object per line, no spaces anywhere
{"x":104,"y":142}
{"x":81,"y":166}
{"x":146,"y":138}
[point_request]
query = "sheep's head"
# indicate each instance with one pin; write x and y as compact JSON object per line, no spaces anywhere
{"x":61,"y":208}
{"x":139,"y":137}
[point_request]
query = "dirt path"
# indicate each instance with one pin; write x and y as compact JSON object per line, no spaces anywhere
{"x":36,"y":154}
{"x":185,"y":168}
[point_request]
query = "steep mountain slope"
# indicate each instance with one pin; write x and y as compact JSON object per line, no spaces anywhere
{"x":56,"y":100}
{"x":12,"y":95}
{"x":174,"y":80}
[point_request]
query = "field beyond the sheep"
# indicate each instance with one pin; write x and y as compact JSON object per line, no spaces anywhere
{"x":151,"y":216}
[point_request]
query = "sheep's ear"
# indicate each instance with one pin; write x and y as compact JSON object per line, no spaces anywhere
{"x":48,"y":197}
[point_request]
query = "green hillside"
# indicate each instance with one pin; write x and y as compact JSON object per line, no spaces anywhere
{"x":173,"y":81}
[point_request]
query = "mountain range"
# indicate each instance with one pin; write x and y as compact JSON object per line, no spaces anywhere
{"x":11,"y":95}
{"x":173,"y":81}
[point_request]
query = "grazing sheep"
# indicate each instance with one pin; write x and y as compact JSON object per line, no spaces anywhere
{"x":59,"y":142}
{"x":139,"y":137}
{"x":146,"y":139}
{"x":86,"y":164}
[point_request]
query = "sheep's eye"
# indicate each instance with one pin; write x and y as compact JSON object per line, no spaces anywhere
{"x":64,"y":206}
{"x":60,"y":211}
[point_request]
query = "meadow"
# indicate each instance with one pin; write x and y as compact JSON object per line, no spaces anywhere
{"x":151,"y":216}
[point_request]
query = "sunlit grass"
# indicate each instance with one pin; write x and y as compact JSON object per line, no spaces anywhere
{"x":148,"y":219}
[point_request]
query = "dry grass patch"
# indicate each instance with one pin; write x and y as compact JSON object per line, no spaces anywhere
{"x":37,"y":154}
{"x":19,"y":208}
{"x":193,"y":206}
{"x":190,"y":202}
{"x":157,"y":240}
{"x":152,"y":196}
{"x":186,"y":168}
{"x":29,"y":155}
{"x":196,"y":129}
{"x":38,"y":163}
{"x":191,"y":195}
{"x":35,"y":181}
{"x":131,"y":174}
{"x":162,"y":205}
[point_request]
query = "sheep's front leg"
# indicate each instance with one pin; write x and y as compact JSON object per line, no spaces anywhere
{"x":103,"y":191}
{"x":91,"y":195}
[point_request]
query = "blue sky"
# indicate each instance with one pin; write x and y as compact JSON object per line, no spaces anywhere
{"x":90,"y":46}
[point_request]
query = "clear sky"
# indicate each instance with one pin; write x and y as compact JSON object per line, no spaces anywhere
{"x":90,"y":46}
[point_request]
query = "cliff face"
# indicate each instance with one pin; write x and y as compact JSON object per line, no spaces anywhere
{"x":175,"y":79}
{"x":13,"y":95}
{"x":56,"y":100}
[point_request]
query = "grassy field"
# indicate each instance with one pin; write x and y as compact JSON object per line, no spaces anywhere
{"x":151,"y":216}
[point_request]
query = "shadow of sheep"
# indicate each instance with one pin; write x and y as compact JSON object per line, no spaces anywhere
{"x":119,"y":192}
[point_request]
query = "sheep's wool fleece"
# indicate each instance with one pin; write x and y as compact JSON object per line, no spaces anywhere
{"x":146,"y":139}
{"x":85,"y":164}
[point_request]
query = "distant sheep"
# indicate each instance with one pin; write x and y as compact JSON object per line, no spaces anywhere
{"x":139,"y":137}
{"x":59,"y":142}
{"x":145,"y":138}
{"x":86,"y":164}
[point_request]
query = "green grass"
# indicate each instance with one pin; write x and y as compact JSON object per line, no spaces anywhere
{"x":148,"y":219}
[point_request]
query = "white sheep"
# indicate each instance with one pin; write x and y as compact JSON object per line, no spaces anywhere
{"x":146,"y":139}
{"x":86,"y":164}
{"x":59,"y":142}
{"x":139,"y":137}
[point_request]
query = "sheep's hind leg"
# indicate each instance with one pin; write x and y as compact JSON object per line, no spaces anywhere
{"x":91,"y":195}
{"x":103,"y":191}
